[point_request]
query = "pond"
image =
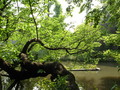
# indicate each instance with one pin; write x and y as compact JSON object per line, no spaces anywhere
{"x":106,"y":79}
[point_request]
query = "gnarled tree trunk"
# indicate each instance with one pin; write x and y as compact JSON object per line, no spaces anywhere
{"x":31,"y":69}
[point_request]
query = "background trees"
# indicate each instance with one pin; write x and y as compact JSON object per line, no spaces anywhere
{"x":106,"y":17}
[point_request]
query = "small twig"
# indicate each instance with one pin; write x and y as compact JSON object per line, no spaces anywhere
{"x":33,"y":18}
{"x":18,"y":6}
{"x":6,"y":4}
{"x":17,"y":86}
{"x":4,"y":75}
{"x":62,"y":38}
{"x":12,"y":85}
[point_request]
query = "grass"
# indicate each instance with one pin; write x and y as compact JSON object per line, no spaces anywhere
{"x":77,"y":65}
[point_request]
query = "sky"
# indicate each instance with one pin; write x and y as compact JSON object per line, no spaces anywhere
{"x":77,"y":18}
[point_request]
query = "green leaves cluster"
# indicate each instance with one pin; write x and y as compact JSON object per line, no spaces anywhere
{"x":88,"y":38}
{"x":107,"y":18}
{"x":60,"y":84}
{"x":18,"y":26}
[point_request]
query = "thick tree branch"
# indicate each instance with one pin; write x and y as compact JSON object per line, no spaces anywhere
{"x":54,"y":68}
{"x":37,"y":69}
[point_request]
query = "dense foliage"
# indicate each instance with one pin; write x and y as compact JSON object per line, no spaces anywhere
{"x":106,"y":17}
{"x":23,"y":20}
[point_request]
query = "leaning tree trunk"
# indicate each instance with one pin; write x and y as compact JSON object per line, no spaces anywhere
{"x":32,"y":69}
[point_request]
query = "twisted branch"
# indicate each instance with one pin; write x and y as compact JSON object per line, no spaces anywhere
{"x":27,"y":45}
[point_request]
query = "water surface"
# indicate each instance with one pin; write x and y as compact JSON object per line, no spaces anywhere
{"x":106,"y":79}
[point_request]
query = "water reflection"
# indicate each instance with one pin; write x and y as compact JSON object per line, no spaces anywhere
{"x":106,"y":79}
{"x":87,"y":84}
{"x":109,"y":83}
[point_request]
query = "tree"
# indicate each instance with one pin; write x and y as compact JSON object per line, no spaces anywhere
{"x":31,"y":69}
{"x":15,"y":26}
{"x":21,"y":21}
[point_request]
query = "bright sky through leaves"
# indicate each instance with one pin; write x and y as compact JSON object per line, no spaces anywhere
{"x":77,"y":18}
